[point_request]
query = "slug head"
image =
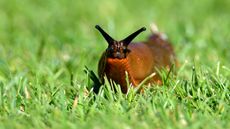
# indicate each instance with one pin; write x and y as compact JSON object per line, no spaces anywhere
{"x":118,"y":49}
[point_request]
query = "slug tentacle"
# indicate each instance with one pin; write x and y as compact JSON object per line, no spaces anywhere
{"x":128,"y":39}
{"x":108,"y":38}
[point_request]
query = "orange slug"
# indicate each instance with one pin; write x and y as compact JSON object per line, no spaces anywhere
{"x":139,"y":59}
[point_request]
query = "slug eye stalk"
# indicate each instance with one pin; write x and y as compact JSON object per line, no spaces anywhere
{"x":126,"y":41}
{"x":129,"y":39}
{"x":106,"y":36}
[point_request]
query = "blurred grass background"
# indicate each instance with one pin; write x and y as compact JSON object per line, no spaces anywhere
{"x":43,"y":42}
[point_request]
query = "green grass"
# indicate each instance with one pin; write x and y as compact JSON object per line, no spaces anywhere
{"x":43,"y":44}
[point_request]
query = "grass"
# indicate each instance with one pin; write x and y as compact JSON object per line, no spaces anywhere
{"x":44,"y":46}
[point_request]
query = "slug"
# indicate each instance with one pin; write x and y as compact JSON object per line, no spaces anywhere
{"x":139,"y":59}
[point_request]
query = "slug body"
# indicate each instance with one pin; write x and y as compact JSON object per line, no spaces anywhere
{"x":139,"y":60}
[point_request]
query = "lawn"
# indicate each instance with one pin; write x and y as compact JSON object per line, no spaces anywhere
{"x":45,"y":46}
